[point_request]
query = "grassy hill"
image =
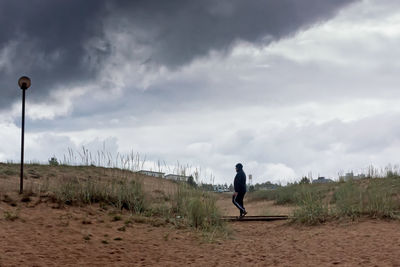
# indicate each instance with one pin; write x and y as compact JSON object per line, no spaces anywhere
{"x":371,"y":197}
{"x":146,"y":196}
{"x":181,"y":205}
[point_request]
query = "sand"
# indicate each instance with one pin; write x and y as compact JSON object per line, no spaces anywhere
{"x":44,"y":235}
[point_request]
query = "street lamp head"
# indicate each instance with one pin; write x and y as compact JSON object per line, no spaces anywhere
{"x":24,"y":82}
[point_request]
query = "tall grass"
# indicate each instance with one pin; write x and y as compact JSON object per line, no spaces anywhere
{"x":127,"y":161}
{"x":348,"y":199}
{"x":316,"y":203}
{"x":197,"y":208}
{"x":375,"y":199}
{"x":380,"y":203}
{"x":286,"y":195}
{"x":290,"y":194}
{"x":121,"y":194}
{"x":312,"y":209}
{"x":281,"y":196}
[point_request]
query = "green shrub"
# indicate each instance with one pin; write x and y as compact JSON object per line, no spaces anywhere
{"x":312,"y":209}
{"x":197,"y":208}
{"x":53,"y":161}
{"x":191,"y":181}
{"x":260,"y":195}
{"x":197,"y":212}
{"x":287,"y":195}
{"x":10,"y":215}
{"x":10,"y":172}
{"x":348,"y":199}
{"x":305,"y":180}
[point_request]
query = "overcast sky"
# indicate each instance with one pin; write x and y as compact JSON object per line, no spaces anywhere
{"x":286,"y":87}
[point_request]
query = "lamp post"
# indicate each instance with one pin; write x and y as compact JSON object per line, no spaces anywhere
{"x":24,"y":83}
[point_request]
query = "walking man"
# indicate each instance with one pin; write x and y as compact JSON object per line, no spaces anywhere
{"x":240,"y":189}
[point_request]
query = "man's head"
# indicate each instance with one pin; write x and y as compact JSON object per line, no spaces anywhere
{"x":239,"y":167}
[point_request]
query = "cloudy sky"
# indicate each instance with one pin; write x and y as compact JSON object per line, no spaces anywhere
{"x":286,"y":87}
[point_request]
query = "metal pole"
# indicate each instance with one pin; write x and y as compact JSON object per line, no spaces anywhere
{"x":21,"y":185}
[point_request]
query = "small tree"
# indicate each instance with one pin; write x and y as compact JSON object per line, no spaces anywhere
{"x":231,"y":188}
{"x":251,"y":188}
{"x":191,"y":181}
{"x":304,"y":180}
{"x":53,"y":161}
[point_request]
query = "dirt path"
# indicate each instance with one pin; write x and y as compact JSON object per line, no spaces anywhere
{"x":262,"y":208}
{"x":44,"y":236}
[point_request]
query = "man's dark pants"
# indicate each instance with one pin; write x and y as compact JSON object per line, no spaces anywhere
{"x":238,"y":201}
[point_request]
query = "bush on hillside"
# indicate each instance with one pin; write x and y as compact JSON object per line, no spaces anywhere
{"x":197,"y":208}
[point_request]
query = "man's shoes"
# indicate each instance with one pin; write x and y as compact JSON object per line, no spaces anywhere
{"x":242,"y":214}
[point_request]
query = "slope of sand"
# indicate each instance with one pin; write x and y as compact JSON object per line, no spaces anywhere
{"x":43,"y":235}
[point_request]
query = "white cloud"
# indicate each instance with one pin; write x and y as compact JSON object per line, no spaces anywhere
{"x":10,"y":140}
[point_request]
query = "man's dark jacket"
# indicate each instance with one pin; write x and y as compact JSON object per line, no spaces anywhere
{"x":240,"y":182}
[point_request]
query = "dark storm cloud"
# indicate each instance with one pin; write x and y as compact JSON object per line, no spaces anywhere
{"x":67,"y":42}
{"x":48,"y":40}
{"x":181,"y":30}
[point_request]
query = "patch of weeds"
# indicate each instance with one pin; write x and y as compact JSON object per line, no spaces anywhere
{"x":118,"y":239}
{"x":380,"y":202}
{"x":197,"y":209}
{"x":119,"y":193}
{"x":286,"y":195}
{"x":216,"y":235}
{"x":128,"y":222}
{"x":10,"y":216}
{"x":349,"y":200}
{"x":104,"y":242}
{"x":166,"y":236}
{"x":157,"y":222}
{"x":139,"y":219}
{"x":162,"y":210}
{"x":9,"y":172}
{"x":312,"y":210}
{"x":262,"y":195}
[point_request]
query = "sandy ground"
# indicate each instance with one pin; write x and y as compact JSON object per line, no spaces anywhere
{"x":258,"y":208}
{"x":47,"y":236}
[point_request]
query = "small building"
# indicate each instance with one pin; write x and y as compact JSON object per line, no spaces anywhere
{"x":322,"y":180}
{"x":151,"y":173}
{"x":176,"y":177}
